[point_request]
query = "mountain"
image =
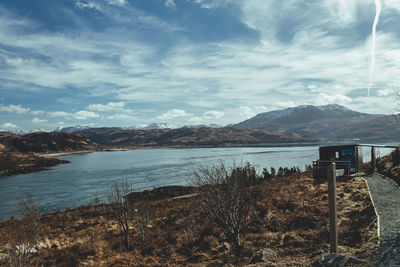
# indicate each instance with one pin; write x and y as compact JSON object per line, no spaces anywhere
{"x":117,"y":137}
{"x":329,"y":122}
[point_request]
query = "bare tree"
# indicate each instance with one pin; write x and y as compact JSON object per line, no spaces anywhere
{"x":229,"y":196}
{"x":120,"y":207}
{"x":31,"y":215}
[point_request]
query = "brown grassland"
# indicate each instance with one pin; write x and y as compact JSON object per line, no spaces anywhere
{"x":291,"y":218}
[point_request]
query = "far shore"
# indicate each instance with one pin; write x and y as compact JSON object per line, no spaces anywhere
{"x":59,"y":154}
{"x":66,"y":153}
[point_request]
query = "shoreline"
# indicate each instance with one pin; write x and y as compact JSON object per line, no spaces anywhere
{"x":66,"y":153}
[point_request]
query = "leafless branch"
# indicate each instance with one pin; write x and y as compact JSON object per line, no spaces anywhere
{"x":120,"y":207}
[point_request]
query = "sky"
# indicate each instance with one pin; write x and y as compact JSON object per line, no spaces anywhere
{"x":188,"y":62}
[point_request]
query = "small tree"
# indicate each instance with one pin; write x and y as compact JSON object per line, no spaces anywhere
{"x":273,"y":172}
{"x":120,"y":207}
{"x":266,"y":174}
{"x":31,"y":215}
{"x":229,"y":196}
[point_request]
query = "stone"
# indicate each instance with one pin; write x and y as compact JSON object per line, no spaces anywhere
{"x":335,"y":260}
{"x":263,"y":255}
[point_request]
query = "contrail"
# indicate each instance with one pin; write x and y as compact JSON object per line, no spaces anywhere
{"x":378,"y":5}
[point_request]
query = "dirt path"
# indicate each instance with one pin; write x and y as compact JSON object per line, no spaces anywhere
{"x":386,"y":197}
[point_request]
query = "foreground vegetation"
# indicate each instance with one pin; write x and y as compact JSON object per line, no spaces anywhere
{"x":288,"y":227}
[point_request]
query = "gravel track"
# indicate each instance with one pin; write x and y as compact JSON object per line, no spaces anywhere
{"x":386,"y":197}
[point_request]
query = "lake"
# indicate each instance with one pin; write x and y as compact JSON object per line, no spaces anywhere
{"x":90,"y":175}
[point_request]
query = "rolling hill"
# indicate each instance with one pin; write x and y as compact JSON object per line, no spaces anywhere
{"x":205,"y":136}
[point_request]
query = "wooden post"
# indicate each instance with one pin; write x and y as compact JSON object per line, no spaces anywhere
{"x":373,"y":159}
{"x":333,"y":233}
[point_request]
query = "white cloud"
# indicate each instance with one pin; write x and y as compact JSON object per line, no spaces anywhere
{"x":9,"y":125}
{"x":170,"y":3}
{"x":384,"y":92}
{"x":88,"y":4}
{"x":37,"y":112}
{"x":58,"y":114}
{"x":83,"y":115}
{"x":324,"y":99}
{"x":108,"y":107}
{"x":247,"y":112}
{"x":123,"y":117}
{"x":117,"y":2}
{"x":213,"y":114}
{"x":79,"y":115}
{"x":37,"y":120}
{"x":174,"y":113}
{"x":286,"y":104}
{"x":18,"y":109}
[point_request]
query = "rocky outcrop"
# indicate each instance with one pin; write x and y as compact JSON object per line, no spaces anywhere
{"x":160,"y":193}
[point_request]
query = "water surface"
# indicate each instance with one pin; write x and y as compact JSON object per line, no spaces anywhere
{"x":91,"y":175}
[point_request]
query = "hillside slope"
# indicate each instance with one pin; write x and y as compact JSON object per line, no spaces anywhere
{"x":117,"y":137}
{"x":330,"y":122}
{"x":46,"y":142}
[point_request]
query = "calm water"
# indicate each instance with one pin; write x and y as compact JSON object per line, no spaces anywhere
{"x":90,"y":175}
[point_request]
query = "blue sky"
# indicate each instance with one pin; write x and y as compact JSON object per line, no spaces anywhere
{"x":133,"y":62}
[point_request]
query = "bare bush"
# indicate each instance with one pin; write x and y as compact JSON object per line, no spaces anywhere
{"x":31,"y":216}
{"x":120,"y":207}
{"x":19,"y":256}
{"x":143,"y":215}
{"x":229,"y":196}
{"x":21,"y":243}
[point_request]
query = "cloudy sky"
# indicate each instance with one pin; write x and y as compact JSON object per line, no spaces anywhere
{"x":133,"y":62}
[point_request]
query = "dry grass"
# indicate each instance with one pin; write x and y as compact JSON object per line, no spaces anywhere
{"x":291,"y":219}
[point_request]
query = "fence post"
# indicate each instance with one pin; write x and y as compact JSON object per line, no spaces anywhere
{"x":333,"y":233}
{"x":373,"y":159}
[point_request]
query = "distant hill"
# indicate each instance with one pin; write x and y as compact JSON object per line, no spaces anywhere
{"x":330,"y":122}
{"x":117,"y":137}
{"x":46,"y":142}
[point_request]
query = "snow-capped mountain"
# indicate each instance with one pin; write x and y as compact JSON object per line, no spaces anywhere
{"x":156,"y":125}
{"x":39,"y":130}
{"x":71,"y":129}
{"x":14,"y":131}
